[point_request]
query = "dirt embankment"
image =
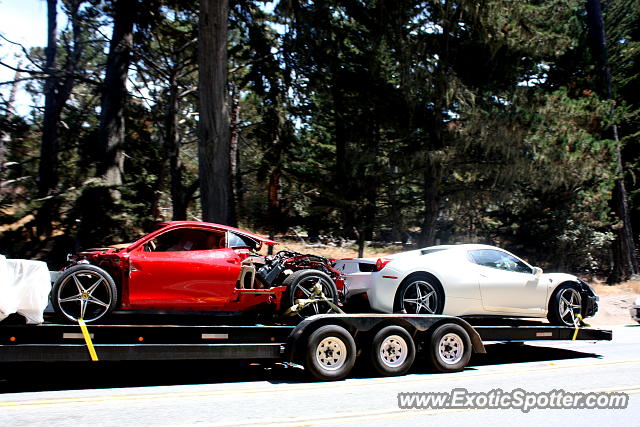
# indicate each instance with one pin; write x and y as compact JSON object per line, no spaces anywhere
{"x":615,"y":302}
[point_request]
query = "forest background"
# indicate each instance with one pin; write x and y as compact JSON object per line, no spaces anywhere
{"x":359,"y":122}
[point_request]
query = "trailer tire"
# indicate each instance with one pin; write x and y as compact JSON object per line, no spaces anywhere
{"x":450,"y":348}
{"x":84,"y":291}
{"x":392,"y":351}
{"x":331,"y":353}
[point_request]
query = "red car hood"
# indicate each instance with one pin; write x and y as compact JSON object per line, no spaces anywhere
{"x":107,"y":250}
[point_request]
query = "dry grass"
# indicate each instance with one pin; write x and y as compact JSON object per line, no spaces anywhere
{"x":333,"y":251}
{"x":630,"y":287}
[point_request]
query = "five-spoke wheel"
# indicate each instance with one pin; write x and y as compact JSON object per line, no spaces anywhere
{"x":310,"y":287}
{"x":84,"y":292}
{"x":565,"y":305}
{"x":419,"y":294}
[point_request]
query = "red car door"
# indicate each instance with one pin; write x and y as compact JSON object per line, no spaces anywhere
{"x":182,"y":279}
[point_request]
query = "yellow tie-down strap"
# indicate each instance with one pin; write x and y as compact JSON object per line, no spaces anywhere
{"x":577,"y":324}
{"x":87,"y":339}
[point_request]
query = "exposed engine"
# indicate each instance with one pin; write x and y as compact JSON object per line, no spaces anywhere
{"x":277,"y":267}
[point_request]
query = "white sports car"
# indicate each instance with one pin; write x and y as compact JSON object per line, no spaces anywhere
{"x":466,"y":280}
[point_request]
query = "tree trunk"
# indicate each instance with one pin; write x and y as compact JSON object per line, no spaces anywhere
{"x":625,"y":263}
{"x":112,"y":131}
{"x":234,"y":152}
{"x":431,"y":210}
{"x":57,"y":89}
{"x":214,"y":143}
{"x":172,"y":147}
{"x":5,"y":138}
{"x":47,"y":172}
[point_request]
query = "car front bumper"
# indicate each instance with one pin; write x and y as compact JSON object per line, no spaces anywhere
{"x":634,"y":311}
{"x":590,"y":300}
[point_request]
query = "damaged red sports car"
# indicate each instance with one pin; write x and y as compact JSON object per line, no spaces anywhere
{"x":194,"y":266}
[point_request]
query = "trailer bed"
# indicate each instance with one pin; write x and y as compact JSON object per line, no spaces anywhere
{"x":60,"y":342}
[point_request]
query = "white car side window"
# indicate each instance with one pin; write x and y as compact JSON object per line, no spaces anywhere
{"x":499,"y":260}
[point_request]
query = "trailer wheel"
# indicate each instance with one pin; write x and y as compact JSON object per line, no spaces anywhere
{"x":84,"y":291}
{"x":392,"y":351}
{"x":450,"y":348}
{"x":331,"y":353}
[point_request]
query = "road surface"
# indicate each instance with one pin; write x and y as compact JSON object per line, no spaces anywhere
{"x":207,"y":393}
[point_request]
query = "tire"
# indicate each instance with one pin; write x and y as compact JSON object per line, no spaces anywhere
{"x":84,"y":291}
{"x":419,"y":294}
{"x":299,"y":286}
{"x":392,"y":351}
{"x":564,"y":305}
{"x":331,"y":353}
{"x":450,"y":348}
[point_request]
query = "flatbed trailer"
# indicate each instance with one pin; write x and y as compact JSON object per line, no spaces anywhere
{"x":326,"y":345}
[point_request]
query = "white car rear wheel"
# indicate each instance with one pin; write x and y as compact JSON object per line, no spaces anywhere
{"x":419,"y":294}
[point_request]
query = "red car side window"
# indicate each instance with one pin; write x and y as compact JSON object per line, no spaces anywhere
{"x":185,"y":239}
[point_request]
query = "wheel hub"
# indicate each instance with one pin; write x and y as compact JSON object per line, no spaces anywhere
{"x":84,"y":294}
{"x":331,"y":353}
{"x":394,"y":351}
{"x":421,"y":297}
{"x":451,"y":349}
{"x":570,"y":306}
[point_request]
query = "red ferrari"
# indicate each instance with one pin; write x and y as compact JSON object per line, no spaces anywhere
{"x":193,"y":266}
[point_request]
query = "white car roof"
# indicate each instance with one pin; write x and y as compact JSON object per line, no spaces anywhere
{"x":460,"y":247}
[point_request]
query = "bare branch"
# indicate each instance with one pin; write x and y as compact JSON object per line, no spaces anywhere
{"x":42,"y":74}
{"x":264,"y":58}
{"x":24,"y":51}
{"x":187,"y":92}
{"x":22,"y":70}
{"x":10,"y":82}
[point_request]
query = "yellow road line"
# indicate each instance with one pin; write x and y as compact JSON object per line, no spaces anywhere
{"x":351,"y":384}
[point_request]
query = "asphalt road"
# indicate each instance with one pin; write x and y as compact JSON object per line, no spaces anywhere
{"x":205,"y":393}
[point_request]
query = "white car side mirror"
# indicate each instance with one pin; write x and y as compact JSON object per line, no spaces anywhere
{"x":537,"y":272}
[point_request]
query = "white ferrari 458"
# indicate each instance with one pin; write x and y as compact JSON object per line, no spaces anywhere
{"x":467,"y":280}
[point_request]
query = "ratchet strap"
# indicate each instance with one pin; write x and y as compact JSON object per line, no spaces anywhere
{"x":577,"y":323}
{"x":316,"y":296}
{"x":87,"y":340}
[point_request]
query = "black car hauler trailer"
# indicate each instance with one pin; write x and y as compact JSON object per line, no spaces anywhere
{"x":326,"y":345}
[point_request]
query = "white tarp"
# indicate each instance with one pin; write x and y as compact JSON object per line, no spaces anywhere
{"x":24,"y":288}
